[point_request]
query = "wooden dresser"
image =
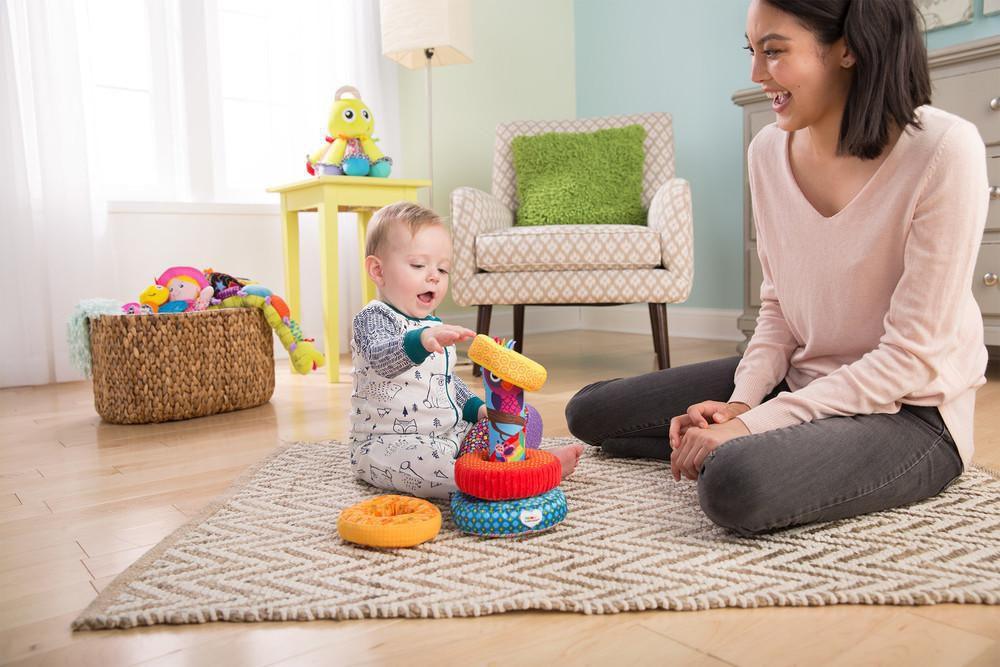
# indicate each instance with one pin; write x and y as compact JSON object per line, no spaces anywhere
{"x":966,"y":82}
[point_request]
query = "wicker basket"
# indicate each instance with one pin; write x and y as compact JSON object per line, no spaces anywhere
{"x":157,"y":368}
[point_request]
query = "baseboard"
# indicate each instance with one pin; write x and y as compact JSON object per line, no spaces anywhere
{"x":705,"y":323}
{"x":684,"y":322}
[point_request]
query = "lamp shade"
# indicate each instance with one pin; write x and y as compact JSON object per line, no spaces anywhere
{"x":411,"y":26}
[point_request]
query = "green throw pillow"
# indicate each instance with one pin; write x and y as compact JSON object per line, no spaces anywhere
{"x":581,"y":178}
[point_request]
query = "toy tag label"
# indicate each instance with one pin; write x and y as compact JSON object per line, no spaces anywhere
{"x":531,"y":518}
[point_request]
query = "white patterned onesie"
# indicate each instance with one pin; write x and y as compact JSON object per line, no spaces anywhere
{"x":409,"y":412}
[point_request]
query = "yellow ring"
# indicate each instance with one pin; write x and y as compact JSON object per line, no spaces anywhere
{"x":390,"y":521}
{"x":507,"y":364}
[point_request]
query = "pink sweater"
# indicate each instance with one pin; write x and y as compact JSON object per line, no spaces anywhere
{"x":872,"y":307}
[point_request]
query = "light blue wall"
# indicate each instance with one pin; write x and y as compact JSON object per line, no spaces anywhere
{"x":686,"y":58}
{"x":980,"y":27}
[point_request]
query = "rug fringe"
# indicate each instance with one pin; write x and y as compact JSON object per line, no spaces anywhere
{"x":453,"y":610}
{"x":989,"y":470}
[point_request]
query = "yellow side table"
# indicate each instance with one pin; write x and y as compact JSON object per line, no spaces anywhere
{"x":328,"y":196}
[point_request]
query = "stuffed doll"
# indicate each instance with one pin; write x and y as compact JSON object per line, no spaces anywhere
{"x":350,"y":149}
{"x":177,"y":290}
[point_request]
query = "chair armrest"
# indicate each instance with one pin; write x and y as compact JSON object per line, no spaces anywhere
{"x":670,"y":215}
{"x":474,"y":212}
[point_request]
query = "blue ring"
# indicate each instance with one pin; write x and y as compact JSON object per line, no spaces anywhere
{"x":504,"y":518}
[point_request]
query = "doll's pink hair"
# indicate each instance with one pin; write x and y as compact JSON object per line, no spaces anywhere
{"x":191,"y":273}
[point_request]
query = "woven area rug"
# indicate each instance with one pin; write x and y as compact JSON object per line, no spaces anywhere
{"x":268,"y":550}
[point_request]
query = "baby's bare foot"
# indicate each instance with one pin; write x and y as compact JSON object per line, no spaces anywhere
{"x":568,"y":456}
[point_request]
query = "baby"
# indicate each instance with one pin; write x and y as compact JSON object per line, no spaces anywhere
{"x":409,"y":411}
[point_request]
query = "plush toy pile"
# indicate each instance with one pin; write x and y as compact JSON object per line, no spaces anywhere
{"x":508,"y":488}
{"x":182,"y":289}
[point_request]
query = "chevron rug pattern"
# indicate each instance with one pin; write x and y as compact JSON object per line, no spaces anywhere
{"x":268,"y":550}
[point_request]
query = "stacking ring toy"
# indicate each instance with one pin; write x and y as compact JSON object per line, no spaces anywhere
{"x":477,"y":476}
{"x":507,"y":364}
{"x":508,"y":517}
{"x":390,"y":521}
{"x":532,"y":428}
{"x":478,"y":436}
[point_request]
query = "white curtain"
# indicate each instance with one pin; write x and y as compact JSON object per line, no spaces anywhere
{"x":51,"y":242}
{"x":55,"y":249}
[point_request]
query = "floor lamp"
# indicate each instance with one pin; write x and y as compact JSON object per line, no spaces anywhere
{"x":425,"y":34}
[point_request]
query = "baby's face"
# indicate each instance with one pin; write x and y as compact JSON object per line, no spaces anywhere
{"x":415,"y":269}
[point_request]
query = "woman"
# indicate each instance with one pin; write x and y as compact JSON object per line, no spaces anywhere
{"x":856,"y":391}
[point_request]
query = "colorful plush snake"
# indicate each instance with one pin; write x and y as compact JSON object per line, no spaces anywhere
{"x":303,"y":354}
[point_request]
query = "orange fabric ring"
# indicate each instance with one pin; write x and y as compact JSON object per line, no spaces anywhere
{"x":476,"y":476}
{"x":390,"y":521}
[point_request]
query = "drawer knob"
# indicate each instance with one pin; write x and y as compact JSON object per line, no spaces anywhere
{"x":991,"y":279}
{"x":995,"y":104}
{"x":995,"y":192}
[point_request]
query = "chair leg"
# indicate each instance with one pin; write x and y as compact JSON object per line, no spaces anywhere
{"x":654,"y":326}
{"x":482,"y":327}
{"x":661,"y":342}
{"x":519,"y":328}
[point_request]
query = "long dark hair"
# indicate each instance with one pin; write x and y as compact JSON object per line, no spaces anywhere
{"x":891,"y":77}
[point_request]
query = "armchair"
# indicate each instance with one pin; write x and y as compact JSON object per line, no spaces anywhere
{"x":497,"y":262}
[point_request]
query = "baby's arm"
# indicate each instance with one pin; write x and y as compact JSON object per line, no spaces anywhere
{"x":380,"y":340}
{"x":435,"y":339}
{"x":473,"y":408}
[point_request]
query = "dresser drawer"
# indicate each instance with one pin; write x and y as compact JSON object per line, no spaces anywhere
{"x":986,"y":279}
{"x":968,"y":95}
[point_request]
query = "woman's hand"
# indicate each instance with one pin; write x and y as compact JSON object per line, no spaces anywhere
{"x":693,"y":438}
{"x":698,"y":443}
{"x":699,"y":414}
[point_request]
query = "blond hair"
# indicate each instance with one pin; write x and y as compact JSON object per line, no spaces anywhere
{"x":413,"y":215}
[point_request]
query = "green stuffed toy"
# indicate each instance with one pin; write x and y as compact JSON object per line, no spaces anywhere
{"x":302,"y":353}
{"x":232,"y":292}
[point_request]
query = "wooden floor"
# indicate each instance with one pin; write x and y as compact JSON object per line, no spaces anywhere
{"x":80,"y":500}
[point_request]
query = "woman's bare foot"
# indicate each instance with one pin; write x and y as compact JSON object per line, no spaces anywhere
{"x":568,"y":456}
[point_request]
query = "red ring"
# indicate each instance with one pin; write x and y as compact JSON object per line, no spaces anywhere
{"x":539,"y":472}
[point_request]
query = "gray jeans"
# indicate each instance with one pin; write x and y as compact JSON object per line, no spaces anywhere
{"x":819,"y":471}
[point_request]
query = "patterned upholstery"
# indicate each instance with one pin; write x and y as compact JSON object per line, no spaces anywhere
{"x":568,"y":247}
{"x":498,"y":263}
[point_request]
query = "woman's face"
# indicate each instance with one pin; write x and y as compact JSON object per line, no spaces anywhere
{"x":807,"y":81}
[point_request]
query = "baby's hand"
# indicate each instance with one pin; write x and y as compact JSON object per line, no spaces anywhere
{"x":435,"y":339}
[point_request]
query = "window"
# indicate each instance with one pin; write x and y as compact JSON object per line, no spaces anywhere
{"x":213,"y":100}
{"x":130,"y":106}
